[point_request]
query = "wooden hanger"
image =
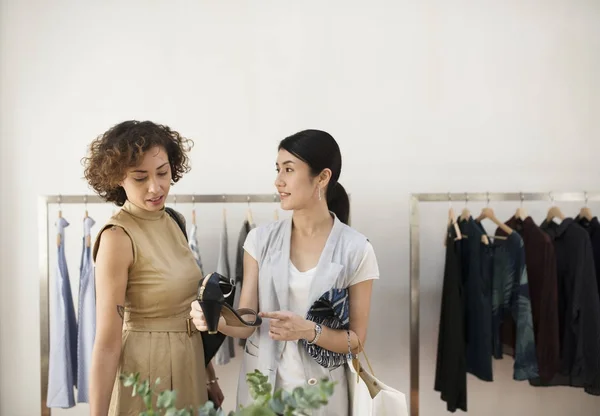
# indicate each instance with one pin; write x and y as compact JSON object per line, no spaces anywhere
{"x":59,"y":216}
{"x":193,"y":210}
{"x":88,"y":238}
{"x":465,"y":214}
{"x":249,"y":214}
{"x":58,"y":237}
{"x":521,"y":213}
{"x":554,"y":212}
{"x":452,"y":220}
{"x":488,"y":213}
{"x":585,"y":211}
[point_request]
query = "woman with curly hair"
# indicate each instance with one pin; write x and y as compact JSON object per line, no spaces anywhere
{"x":146,"y":276}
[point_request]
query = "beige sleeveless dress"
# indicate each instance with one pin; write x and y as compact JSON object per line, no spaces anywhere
{"x":162,"y":284}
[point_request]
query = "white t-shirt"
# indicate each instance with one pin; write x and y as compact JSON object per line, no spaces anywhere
{"x":290,"y":373}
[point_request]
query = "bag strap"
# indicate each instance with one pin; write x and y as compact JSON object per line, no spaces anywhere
{"x":356,"y":360}
{"x":174,"y":215}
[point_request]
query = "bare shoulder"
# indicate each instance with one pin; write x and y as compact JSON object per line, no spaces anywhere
{"x":115,"y":246}
{"x":115,"y":236}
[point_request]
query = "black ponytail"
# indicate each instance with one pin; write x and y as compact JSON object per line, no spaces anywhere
{"x":320,"y":151}
{"x":338,"y":202}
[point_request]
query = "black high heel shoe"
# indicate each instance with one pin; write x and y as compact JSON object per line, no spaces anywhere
{"x":212,"y":301}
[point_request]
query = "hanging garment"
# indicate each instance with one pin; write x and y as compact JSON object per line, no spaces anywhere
{"x":62,"y":366}
{"x":161,"y":285}
{"x":193,"y":243}
{"x":541,"y":272}
{"x":239,"y":260}
{"x":579,"y":306}
{"x":593,"y":229}
{"x":86,"y":329}
{"x":477,"y":281}
{"x":504,"y":260}
{"x":451,"y":367}
{"x":226,"y":352}
{"x":239,"y":265}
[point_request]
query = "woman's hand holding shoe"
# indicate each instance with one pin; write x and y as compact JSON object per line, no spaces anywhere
{"x":200,"y":321}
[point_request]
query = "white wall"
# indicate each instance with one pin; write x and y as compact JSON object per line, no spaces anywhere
{"x":422,"y":96}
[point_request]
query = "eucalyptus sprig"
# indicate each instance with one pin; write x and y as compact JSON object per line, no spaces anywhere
{"x":300,"y":402}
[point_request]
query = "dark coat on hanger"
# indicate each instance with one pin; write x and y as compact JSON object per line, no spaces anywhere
{"x":579,"y":306}
{"x":478,"y":293}
{"x":593,"y":229}
{"x":541,"y":271}
{"x":451,"y":366}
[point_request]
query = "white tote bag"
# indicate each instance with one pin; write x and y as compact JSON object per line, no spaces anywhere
{"x":369,"y":396}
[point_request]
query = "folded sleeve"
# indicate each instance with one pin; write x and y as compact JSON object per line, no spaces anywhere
{"x":368,"y":269}
{"x":250,"y":244}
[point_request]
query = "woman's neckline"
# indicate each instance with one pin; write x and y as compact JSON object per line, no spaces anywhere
{"x":295,"y":269}
{"x":143,"y":213}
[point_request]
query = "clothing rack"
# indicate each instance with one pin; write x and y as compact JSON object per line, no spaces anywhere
{"x":43,"y":218}
{"x":415,"y":200}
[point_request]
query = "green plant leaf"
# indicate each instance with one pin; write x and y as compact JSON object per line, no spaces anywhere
{"x":259,"y":386}
{"x":255,"y":410}
{"x":277,"y":404}
{"x":166,"y":399}
{"x":143,"y":389}
{"x":300,"y":402}
{"x":148,"y":401}
{"x":131,"y":379}
{"x":208,"y":409}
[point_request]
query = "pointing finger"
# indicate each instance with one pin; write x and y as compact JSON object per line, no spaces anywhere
{"x":272,"y":315}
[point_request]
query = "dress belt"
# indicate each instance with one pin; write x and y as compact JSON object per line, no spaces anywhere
{"x":161,"y":325}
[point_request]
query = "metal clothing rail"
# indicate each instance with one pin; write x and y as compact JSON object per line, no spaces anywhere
{"x":415,"y":200}
{"x":43,"y":204}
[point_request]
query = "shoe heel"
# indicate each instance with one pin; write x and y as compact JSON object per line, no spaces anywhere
{"x":212,"y":313}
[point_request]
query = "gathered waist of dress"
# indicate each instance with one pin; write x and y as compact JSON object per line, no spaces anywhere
{"x":170,"y":324}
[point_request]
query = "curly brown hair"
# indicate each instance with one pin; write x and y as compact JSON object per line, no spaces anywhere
{"x":122,"y":147}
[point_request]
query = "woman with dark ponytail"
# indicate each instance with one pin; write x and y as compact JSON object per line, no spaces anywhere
{"x":321,"y":153}
{"x":312,"y":259}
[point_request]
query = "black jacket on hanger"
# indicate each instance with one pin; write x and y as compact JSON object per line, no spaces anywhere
{"x":451,"y":367}
{"x":478,"y":301}
{"x":579,"y":306}
{"x":593,"y":229}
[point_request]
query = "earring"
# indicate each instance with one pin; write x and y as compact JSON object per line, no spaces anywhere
{"x":319,"y":194}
